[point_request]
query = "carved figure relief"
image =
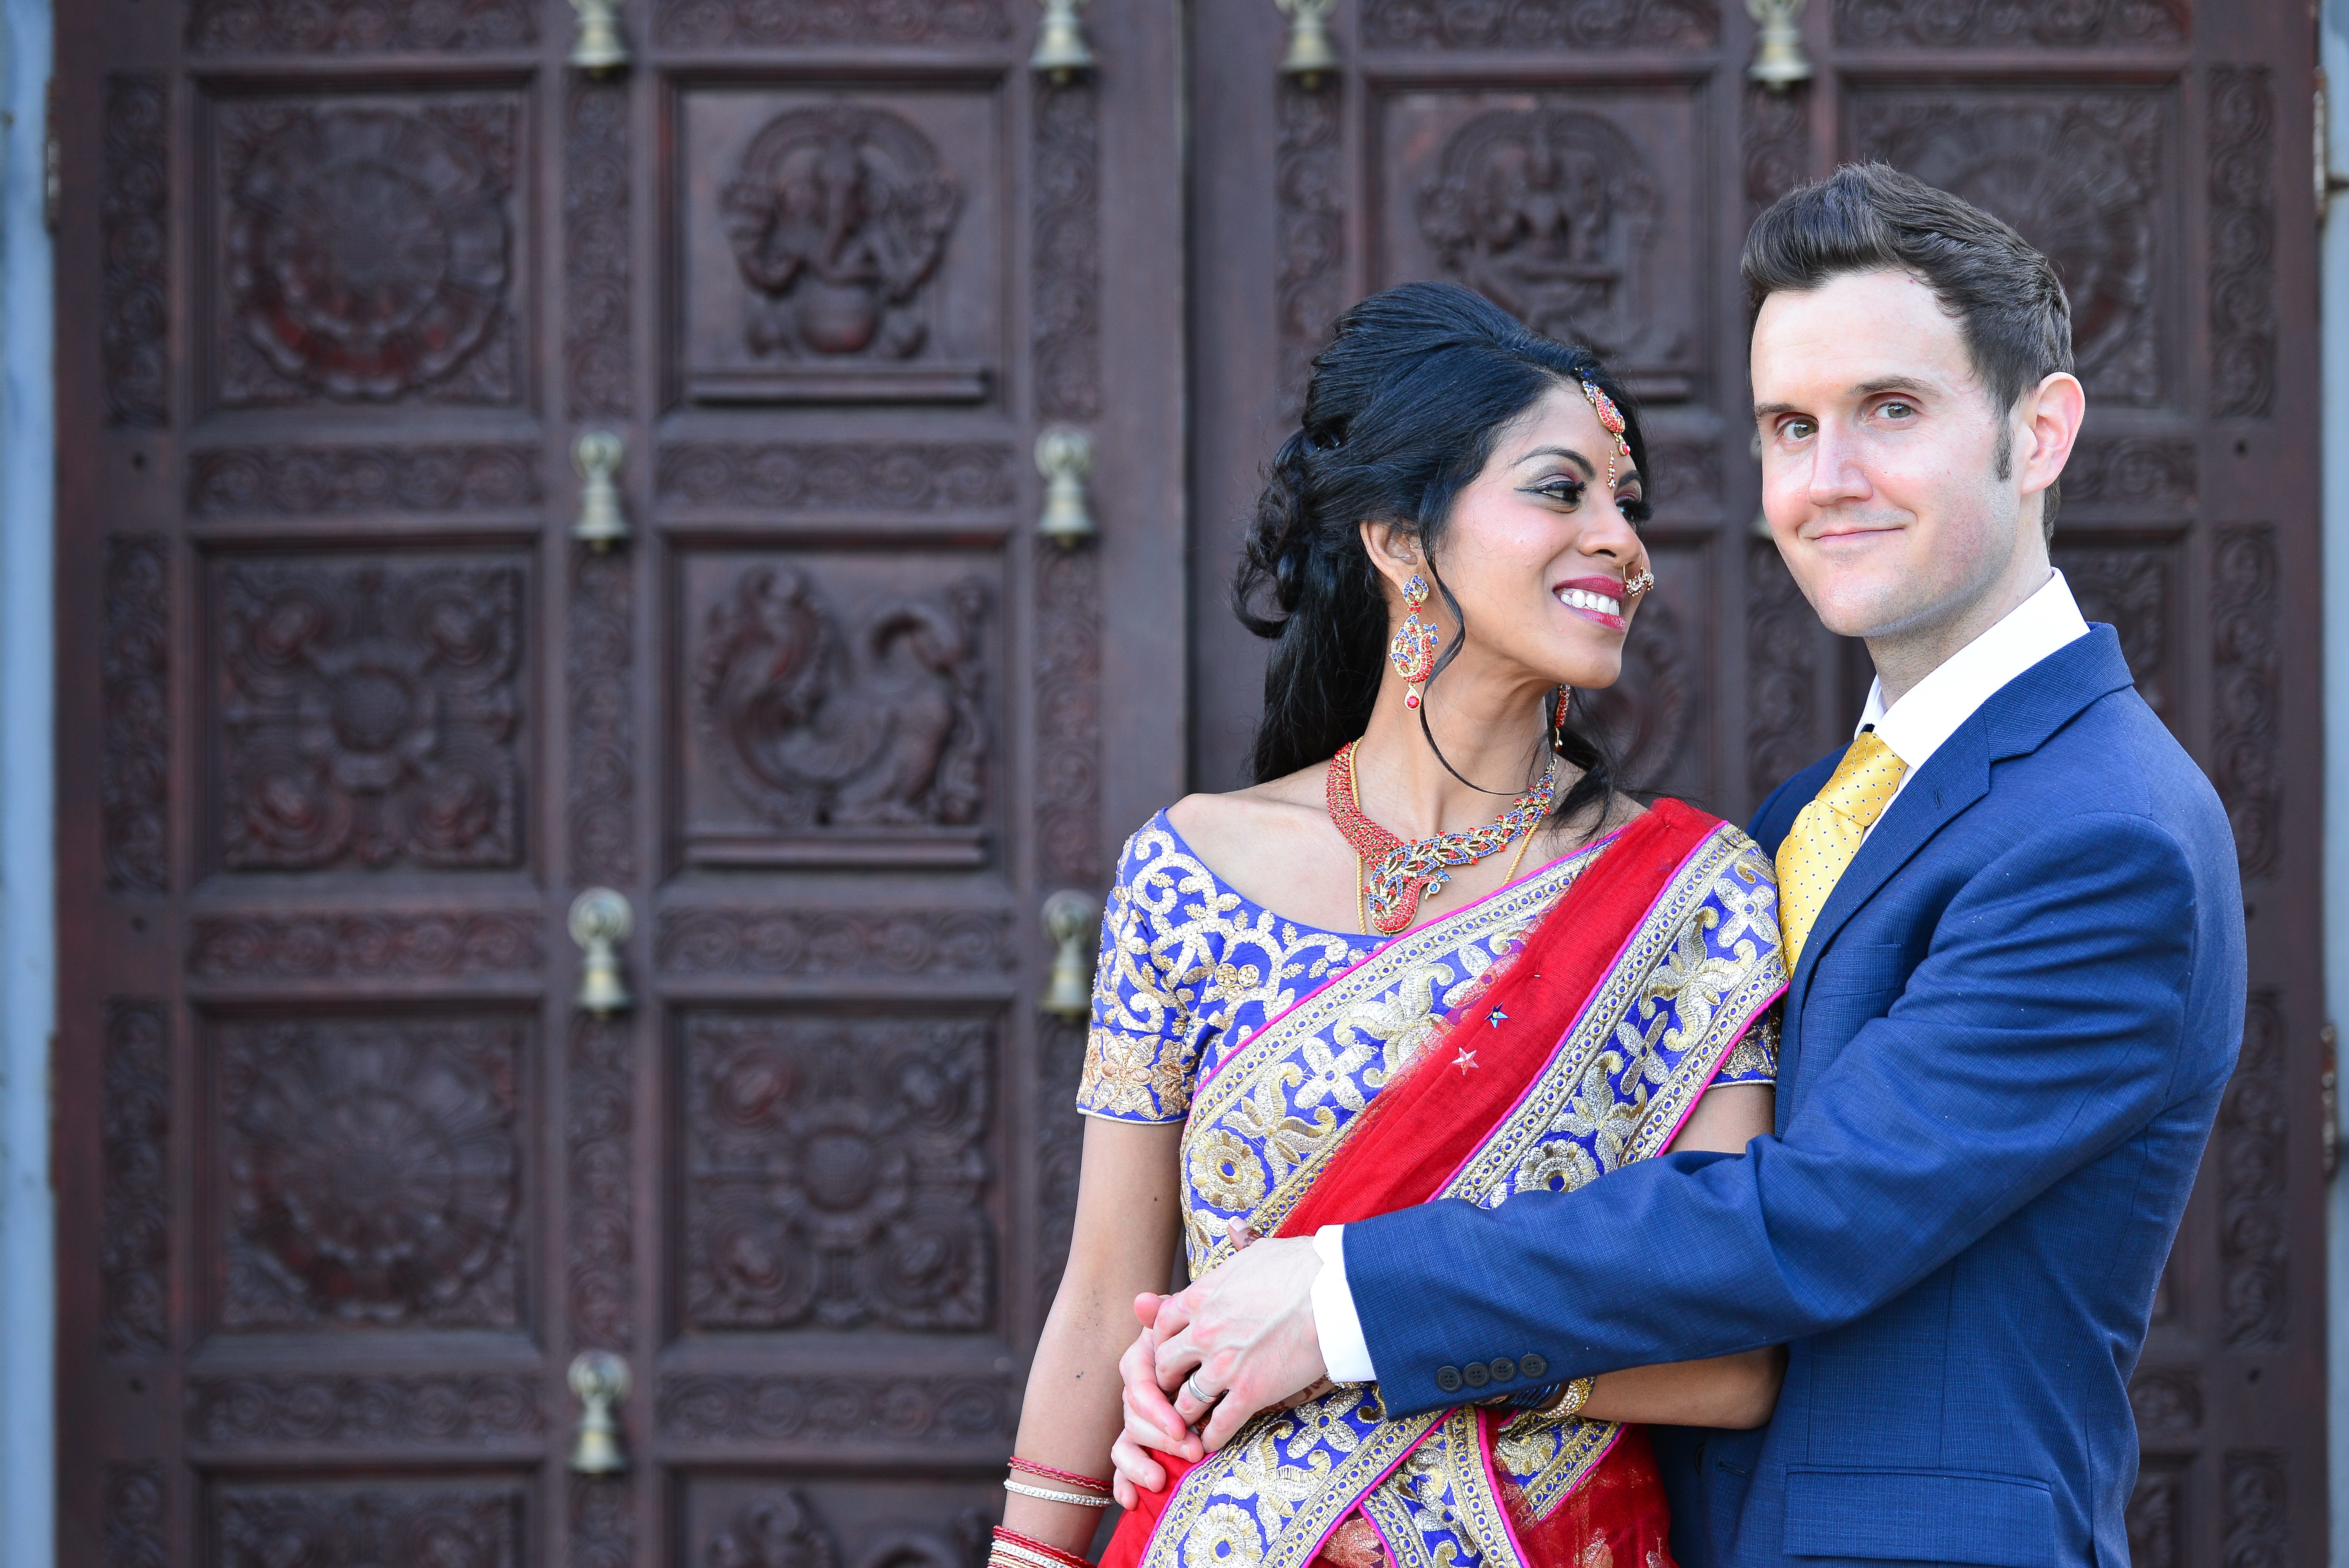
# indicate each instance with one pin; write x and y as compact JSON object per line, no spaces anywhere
{"x":371,"y":1172}
{"x":837,"y":1173}
{"x":821,"y":725}
{"x":370,"y":715}
{"x":2257,"y":1495}
{"x":263,"y":1525}
{"x":838,"y":219}
{"x":2083,"y":177}
{"x":367,"y":254}
{"x":1552,"y":213}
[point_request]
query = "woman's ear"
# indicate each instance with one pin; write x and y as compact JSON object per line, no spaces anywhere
{"x":1392,"y":551}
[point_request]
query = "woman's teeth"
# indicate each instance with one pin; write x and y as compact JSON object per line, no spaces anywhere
{"x":1582,"y":599}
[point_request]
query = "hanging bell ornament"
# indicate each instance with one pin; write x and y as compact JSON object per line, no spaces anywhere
{"x":600,"y":920}
{"x":1064,"y":454}
{"x":1778,"y":59}
{"x":596,"y":455}
{"x":1070,"y":918}
{"x":1061,"y":52}
{"x":1311,"y":54}
{"x":599,"y":49}
{"x":601,"y":1380}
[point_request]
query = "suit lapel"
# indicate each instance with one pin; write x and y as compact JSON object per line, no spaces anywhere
{"x":2016,"y":720}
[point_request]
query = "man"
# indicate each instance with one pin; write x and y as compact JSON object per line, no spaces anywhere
{"x":2016,"y":931}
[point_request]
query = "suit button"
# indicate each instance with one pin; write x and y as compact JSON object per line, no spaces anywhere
{"x":1505,"y":1370}
{"x":1532,"y":1366}
{"x":1448,"y":1380}
{"x":1474,"y":1375}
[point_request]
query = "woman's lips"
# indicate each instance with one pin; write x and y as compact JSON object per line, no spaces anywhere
{"x":1599,"y":599}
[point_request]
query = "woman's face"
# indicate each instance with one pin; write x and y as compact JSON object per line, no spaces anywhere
{"x":1537,"y":551}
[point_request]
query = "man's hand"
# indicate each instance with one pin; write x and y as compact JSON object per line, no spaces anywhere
{"x":1246,"y":1331}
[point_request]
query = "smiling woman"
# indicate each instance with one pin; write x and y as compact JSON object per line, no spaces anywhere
{"x":1435,"y":952}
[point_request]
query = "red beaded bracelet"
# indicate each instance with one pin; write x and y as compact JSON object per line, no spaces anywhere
{"x":1049,"y":1473}
{"x":1026,"y":1552}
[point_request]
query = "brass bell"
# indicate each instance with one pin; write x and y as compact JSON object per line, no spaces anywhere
{"x":600,"y":920}
{"x":1061,"y":52}
{"x":1070,"y":919}
{"x":1778,"y":59}
{"x":601,"y":1380}
{"x":1064,"y":455}
{"x":1311,"y":54}
{"x":599,"y":47}
{"x":596,"y":455}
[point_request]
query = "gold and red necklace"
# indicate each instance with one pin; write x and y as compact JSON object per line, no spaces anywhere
{"x":1401,"y":873}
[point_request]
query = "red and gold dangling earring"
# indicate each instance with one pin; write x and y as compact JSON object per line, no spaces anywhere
{"x":1413,"y":648}
{"x":1558,"y":720}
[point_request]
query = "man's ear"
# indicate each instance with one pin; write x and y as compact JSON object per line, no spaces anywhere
{"x":2051,"y":413}
{"x":1392,"y":551}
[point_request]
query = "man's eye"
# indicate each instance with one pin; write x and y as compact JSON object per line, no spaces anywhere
{"x":1799,"y":429}
{"x":1899,"y":411}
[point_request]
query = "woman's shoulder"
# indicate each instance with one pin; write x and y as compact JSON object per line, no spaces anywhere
{"x":1745,"y":860}
{"x":1240,"y":827}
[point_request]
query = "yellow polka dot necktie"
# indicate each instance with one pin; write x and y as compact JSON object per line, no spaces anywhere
{"x":1828,"y":832}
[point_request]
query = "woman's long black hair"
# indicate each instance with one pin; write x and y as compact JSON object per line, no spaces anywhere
{"x":1402,"y":412}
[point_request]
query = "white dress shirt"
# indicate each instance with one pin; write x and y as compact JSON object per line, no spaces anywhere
{"x":1914,"y":728}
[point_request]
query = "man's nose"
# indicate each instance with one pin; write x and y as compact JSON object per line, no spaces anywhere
{"x":1836,"y":473}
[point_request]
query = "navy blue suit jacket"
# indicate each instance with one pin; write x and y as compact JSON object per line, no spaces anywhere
{"x":2004,"y":1047}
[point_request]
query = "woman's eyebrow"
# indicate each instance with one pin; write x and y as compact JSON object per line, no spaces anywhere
{"x":1589,"y":470}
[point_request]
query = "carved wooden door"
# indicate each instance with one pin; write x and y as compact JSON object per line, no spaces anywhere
{"x":1592,"y":165}
{"x":349,"y":717}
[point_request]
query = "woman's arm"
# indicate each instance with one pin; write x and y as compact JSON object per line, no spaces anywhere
{"x":1732,"y":1390}
{"x":1128,"y":1223}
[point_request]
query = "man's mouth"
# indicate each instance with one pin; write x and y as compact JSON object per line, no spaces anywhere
{"x":1599,"y":599}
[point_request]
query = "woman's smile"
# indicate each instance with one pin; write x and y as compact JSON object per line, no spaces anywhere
{"x":1599,"y":599}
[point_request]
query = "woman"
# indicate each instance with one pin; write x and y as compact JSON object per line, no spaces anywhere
{"x":1334,"y":994}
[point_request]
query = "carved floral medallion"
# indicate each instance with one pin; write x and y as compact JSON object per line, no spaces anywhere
{"x":371,"y":715}
{"x":367,"y":254}
{"x":371,"y":1171}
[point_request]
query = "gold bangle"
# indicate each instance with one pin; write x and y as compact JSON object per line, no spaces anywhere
{"x":1570,"y":1399}
{"x":1024,"y":1490}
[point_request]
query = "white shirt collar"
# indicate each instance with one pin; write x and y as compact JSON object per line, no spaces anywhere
{"x":1931,"y":711}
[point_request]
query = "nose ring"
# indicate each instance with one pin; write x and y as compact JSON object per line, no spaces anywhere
{"x":1640,"y":584}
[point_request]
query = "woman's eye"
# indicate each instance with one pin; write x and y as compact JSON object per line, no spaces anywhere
{"x":1565,"y":491}
{"x":1635,"y":509}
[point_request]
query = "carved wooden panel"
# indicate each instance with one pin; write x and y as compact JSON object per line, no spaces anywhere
{"x":1540,"y":24}
{"x":2256,"y":1493}
{"x":2156,"y":1518}
{"x":135,"y":783}
{"x":840,"y":246}
{"x":836,"y":944}
{"x":2246,"y":744}
{"x":366,"y":250}
{"x":136,"y":1250}
{"x":1309,"y":174}
{"x":599,"y":1145}
{"x":601,"y":657}
{"x":842,"y":707}
{"x":2133,"y":586}
{"x":433,"y":1410}
{"x":837,"y":1172}
{"x":704,"y":24}
{"x":602,"y":1523}
{"x":2136,"y":477}
{"x":255,"y":947}
{"x":763,"y":477}
{"x":1783,"y":649}
{"x":1059,"y":1146}
{"x":2011,"y":23}
{"x":370,"y":711}
{"x":1066,"y":224}
{"x":2254,"y":1253}
{"x":368,"y":1172}
{"x":2087,"y":175}
{"x":134,"y":331}
{"x":837,"y":1410}
{"x":748,"y":1522}
{"x":2168,"y":1403}
{"x":2242,"y":121}
{"x":598,"y":368}
{"x":1561,"y":210}
{"x":266,"y":1524}
{"x":306,"y":481}
{"x":358,"y":27}
{"x":1775,"y":135}
{"x":134,"y":1517}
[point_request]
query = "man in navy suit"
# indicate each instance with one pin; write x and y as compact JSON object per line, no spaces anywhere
{"x":2016,"y":928}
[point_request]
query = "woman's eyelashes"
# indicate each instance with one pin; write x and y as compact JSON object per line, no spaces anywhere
{"x":1565,"y":490}
{"x":1635,"y":508}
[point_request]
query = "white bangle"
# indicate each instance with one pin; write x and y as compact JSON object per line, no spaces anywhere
{"x":1079,"y":1499}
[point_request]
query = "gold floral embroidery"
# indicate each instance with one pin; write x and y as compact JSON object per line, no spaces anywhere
{"x":1225,"y":1170}
{"x":1224,"y":1536}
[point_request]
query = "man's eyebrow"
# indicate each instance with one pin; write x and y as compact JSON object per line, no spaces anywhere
{"x":1589,"y":470}
{"x":1909,"y":384}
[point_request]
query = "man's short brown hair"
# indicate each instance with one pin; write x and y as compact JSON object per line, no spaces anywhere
{"x":1870,"y":217}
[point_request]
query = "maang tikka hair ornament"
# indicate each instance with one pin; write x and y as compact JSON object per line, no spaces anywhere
{"x":1611,"y":419}
{"x":1413,"y":648}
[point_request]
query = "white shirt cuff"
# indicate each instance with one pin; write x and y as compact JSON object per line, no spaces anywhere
{"x":1344,"y":1352}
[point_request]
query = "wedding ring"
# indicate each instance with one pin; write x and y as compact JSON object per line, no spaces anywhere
{"x":1191,"y":1386}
